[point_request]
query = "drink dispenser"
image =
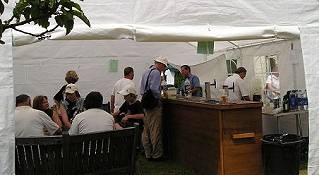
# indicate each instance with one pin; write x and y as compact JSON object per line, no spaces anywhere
{"x":207,"y":90}
{"x":210,"y":93}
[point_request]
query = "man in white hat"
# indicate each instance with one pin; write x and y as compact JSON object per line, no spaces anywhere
{"x":73,"y":104}
{"x":152,"y":133}
{"x":131,"y":111}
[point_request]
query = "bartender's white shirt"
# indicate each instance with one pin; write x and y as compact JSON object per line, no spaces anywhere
{"x":240,"y":89}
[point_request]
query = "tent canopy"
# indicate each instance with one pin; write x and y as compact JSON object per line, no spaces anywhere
{"x":176,"y":21}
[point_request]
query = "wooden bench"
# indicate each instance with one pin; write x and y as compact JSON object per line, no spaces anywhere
{"x":110,"y":152}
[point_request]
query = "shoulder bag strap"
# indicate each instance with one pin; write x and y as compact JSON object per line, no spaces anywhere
{"x":146,"y":84}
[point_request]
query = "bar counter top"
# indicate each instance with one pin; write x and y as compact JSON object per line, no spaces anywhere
{"x":202,"y":102}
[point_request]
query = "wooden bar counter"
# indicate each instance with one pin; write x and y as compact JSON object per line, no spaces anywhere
{"x":214,"y":139}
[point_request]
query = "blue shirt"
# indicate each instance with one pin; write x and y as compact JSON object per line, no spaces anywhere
{"x":154,"y":82}
{"x":194,"y":84}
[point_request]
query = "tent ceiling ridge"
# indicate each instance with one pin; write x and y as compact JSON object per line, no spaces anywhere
{"x":166,"y":33}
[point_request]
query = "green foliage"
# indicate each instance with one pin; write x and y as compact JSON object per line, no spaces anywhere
{"x":39,"y":12}
{"x":178,"y":79}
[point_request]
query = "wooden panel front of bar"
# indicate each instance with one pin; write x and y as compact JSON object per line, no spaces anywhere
{"x":214,"y":139}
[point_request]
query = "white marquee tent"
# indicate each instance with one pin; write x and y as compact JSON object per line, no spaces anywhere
{"x":160,"y":28}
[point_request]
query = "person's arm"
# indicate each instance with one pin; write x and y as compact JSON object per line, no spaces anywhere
{"x":139,"y":112}
{"x":195,"y":89}
{"x":64,"y":117}
{"x":132,"y":116}
{"x":112,"y":103}
{"x":195,"y":84}
{"x":55,"y":117}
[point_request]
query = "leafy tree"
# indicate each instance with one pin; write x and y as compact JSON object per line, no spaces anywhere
{"x":39,"y":12}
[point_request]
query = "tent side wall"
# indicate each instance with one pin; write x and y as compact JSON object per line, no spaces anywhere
{"x":310,"y":44}
{"x":7,"y":104}
{"x":40,"y":68}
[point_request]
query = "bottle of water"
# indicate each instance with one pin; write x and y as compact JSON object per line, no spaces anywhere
{"x":305,"y":100}
{"x":293,"y":100}
{"x":300,"y":100}
{"x":187,"y":85}
{"x":285,"y":103}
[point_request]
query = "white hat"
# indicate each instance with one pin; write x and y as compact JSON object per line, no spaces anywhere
{"x":128,"y":90}
{"x":71,"y":88}
{"x":161,"y":59}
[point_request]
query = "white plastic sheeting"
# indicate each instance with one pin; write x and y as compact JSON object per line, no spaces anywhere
{"x":208,"y":71}
{"x":165,"y":33}
{"x":310,"y":45}
{"x":6,"y":107}
{"x":201,"y":12}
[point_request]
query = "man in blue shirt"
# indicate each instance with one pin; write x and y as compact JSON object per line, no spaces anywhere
{"x":196,"y":89}
{"x":152,"y":133}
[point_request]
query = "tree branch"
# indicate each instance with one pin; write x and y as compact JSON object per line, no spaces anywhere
{"x":8,"y":21}
{"x":36,"y":35}
{"x":14,"y":28}
{"x":25,"y":21}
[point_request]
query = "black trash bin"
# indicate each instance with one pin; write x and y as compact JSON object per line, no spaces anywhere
{"x":281,"y":154}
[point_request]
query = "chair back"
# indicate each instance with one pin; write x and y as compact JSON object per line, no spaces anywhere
{"x":38,"y":156}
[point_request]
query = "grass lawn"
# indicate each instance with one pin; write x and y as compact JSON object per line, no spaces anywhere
{"x":169,"y":167}
{"x":145,"y":167}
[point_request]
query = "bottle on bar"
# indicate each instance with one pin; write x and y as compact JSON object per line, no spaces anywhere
{"x":305,"y":100}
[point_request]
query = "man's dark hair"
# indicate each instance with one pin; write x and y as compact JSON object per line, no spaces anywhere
{"x":22,"y":98}
{"x":240,"y":70}
{"x":186,"y":67}
{"x":93,"y":100}
{"x":128,"y":70}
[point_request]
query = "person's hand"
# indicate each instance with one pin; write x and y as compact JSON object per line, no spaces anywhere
{"x":125,"y":119}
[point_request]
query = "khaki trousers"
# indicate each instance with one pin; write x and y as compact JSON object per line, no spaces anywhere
{"x":152,"y":133}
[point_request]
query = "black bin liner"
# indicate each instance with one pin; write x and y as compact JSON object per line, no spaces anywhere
{"x":281,"y":154}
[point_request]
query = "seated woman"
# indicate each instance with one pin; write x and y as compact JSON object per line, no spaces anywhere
{"x":131,"y":110}
{"x":59,"y":109}
{"x":41,"y":103}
